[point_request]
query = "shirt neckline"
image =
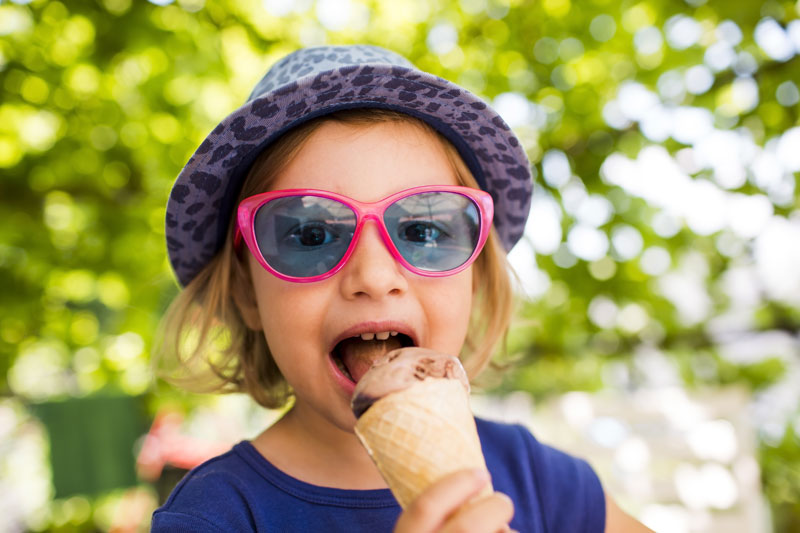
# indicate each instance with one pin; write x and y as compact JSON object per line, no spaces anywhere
{"x":369,"y":498}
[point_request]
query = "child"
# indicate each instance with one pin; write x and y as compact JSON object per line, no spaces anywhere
{"x":338,"y":214}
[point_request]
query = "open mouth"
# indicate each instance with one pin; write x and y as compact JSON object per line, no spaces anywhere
{"x":354,"y":356}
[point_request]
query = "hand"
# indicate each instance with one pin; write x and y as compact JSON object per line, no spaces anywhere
{"x":445,"y":507}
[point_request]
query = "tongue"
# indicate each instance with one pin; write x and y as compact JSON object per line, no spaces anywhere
{"x":358,"y":355}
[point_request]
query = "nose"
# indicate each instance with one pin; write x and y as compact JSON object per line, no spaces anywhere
{"x":372,"y":271}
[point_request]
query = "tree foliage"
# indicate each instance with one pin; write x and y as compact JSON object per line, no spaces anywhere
{"x":664,"y":136}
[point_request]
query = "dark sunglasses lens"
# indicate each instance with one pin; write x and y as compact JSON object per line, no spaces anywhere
{"x":304,"y":236}
{"x":434,"y":231}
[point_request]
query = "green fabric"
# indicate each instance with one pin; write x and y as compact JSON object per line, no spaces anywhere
{"x":92,"y":442}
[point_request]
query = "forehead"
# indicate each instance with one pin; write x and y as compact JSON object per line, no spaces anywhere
{"x":368,"y":162}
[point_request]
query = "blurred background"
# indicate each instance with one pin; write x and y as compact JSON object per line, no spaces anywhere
{"x":659,"y":276}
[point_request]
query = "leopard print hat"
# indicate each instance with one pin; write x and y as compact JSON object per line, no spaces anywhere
{"x":312,"y":82}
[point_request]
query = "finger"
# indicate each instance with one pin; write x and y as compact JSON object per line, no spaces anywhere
{"x":490,"y":514}
{"x":430,"y":510}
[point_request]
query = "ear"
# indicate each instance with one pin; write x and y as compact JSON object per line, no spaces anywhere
{"x":244,"y":295}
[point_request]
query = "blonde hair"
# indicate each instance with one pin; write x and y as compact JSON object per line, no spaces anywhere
{"x":204,"y":344}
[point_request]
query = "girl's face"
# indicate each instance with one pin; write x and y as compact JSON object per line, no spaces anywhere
{"x":303,"y":322}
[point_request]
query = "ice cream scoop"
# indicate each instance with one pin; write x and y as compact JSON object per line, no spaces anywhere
{"x":399,"y":369}
{"x":413,"y":417}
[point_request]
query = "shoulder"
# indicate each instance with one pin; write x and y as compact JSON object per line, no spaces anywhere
{"x":564,"y":490}
{"x":215,"y":496}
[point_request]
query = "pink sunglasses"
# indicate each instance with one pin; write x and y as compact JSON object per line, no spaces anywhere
{"x":306,"y":235}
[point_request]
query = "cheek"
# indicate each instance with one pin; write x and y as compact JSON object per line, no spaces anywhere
{"x":277,"y":307}
{"x":290,"y":313}
{"x":450,"y":310}
{"x":266,"y":300}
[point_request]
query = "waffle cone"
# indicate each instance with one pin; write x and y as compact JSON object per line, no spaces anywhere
{"x":418,"y":435}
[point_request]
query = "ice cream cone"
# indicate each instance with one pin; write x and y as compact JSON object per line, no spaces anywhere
{"x":418,"y":435}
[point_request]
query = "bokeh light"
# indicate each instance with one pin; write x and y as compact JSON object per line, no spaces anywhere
{"x":657,"y":280}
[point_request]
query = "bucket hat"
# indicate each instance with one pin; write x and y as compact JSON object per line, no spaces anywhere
{"x":317,"y":81}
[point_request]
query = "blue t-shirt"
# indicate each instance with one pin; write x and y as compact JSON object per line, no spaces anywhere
{"x":241,"y":491}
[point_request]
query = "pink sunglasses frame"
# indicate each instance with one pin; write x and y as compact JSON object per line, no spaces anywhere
{"x":245,"y":228}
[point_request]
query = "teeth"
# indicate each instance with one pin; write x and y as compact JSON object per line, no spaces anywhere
{"x":381,"y":336}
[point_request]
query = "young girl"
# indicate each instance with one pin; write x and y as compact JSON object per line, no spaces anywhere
{"x":335,"y":216}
